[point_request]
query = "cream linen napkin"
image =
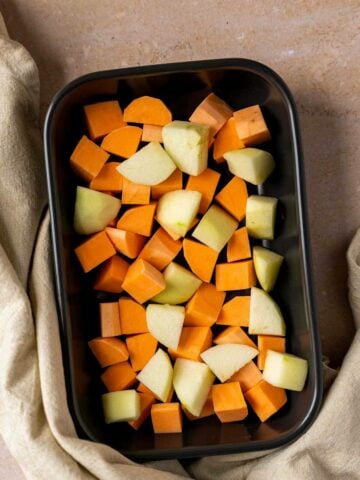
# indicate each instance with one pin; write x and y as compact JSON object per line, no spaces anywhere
{"x":34,"y":420}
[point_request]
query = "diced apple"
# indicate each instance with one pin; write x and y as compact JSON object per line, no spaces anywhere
{"x":187,"y":145}
{"x":122,"y":406}
{"x":176,"y":210}
{"x":260,"y":216}
{"x":265,"y":314}
{"x":94,"y":210}
{"x":251,"y":164}
{"x":284,"y":370}
{"x":151,"y":165}
{"x":157,"y":375}
{"x":267,"y":266}
{"x":226,"y":359}
{"x":165,"y":323}
{"x":192,"y":382}
{"x":215,"y":228}
{"x":180,"y":283}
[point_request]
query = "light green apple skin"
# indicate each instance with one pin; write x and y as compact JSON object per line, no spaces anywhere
{"x":285,"y":370}
{"x":260,"y":216}
{"x":251,"y":164}
{"x":123,"y":406}
{"x":267,"y":266}
{"x":265,"y":315}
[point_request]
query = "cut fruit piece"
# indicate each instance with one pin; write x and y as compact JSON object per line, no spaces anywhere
{"x":119,"y":376}
{"x":151,"y":165}
{"x":235,"y":312}
{"x":265,"y":399}
{"x":147,"y":110}
{"x":142,"y":348}
{"x":152,"y":133}
{"x":224,"y":360}
{"x":260,"y":216}
{"x":93,"y":210}
{"x":215,"y":228}
{"x":102,"y":118}
{"x":143,"y":281}
{"x":109,"y":319}
{"x":135,"y":194}
{"x":212,"y":111}
{"x":284,"y":370}
{"x":200,"y":258}
{"x":180,"y":285}
{"x":238,"y":247}
{"x":132,"y":317}
{"x":193,"y":341}
{"x":174,"y":182}
{"x":165,"y":323}
{"x":122,"y":142}
{"x":111,"y":275}
{"x":187,"y":144}
{"x":250,"y":125}
{"x":166,"y":418}
{"x":123,"y":406}
{"x":176,"y":210}
{"x":160,"y":250}
{"x":108,"y":351}
{"x":88,"y":159}
{"x":128,"y":243}
{"x":157,"y":375}
{"x":206,"y":184}
{"x":192,"y":384}
{"x":265,"y":315}
{"x":251,"y":164}
{"x":94,"y":251}
{"x":226,"y":140}
{"x":108,"y":179}
{"x":204,"y":307}
{"x":235,"y":276}
{"x":248,"y":376}
{"x":233,"y":198}
{"x":267,"y":266}
{"x":268,"y":342}
{"x":138,"y":220}
{"x":234,"y":335}
{"x":229,"y":402}
{"x":146,"y":402}
{"x":207,"y":410}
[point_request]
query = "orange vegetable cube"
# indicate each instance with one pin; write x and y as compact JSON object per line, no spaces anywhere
{"x":103,"y":117}
{"x":109,"y":319}
{"x":203,"y":309}
{"x":235,"y":276}
{"x":226,"y":140}
{"x":265,"y":399}
{"x":268,"y":342}
{"x":88,"y":159}
{"x":142,"y":389}
{"x":233,"y":198}
{"x":229,"y":402}
{"x":108,"y":179}
{"x":127,"y":243}
{"x":111,"y":275}
{"x":234,"y":335}
{"x":166,"y":417}
{"x":250,"y":126}
{"x":235,"y":312}
{"x":123,"y":141}
{"x":200,"y":258}
{"x":149,"y":110}
{"x":143,"y":281}
{"x":135,"y":194}
{"x":152,"y":133}
{"x":119,"y":376}
{"x":94,"y":251}
{"x":108,"y":351}
{"x":238,"y":247}
{"x":141,"y":348}
{"x":248,"y":376}
{"x":174,"y":182}
{"x":193,"y":341}
{"x":132,"y":317}
{"x":206,"y":184}
{"x":212,"y":111}
{"x":138,"y":220}
{"x":160,"y":250}
{"x":146,"y":401}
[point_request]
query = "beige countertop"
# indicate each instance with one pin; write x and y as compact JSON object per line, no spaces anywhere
{"x":313,"y":45}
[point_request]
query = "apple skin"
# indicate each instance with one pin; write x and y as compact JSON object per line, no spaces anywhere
{"x":192,"y":383}
{"x":165,"y":323}
{"x":176,"y":211}
{"x":181,"y":284}
{"x":123,"y":406}
{"x":251,"y":164}
{"x":187,"y":145}
{"x":265,"y":315}
{"x":157,"y":375}
{"x":267,"y":266}
{"x":93,"y":210}
{"x":260,"y":216}
{"x":150,"y":165}
{"x":285,"y":370}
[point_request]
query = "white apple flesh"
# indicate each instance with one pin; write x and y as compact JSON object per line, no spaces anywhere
{"x":157,"y":375}
{"x":265,"y":315}
{"x":285,"y":370}
{"x":165,"y":323}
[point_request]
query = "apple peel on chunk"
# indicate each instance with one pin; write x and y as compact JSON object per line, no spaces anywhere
{"x":157,"y":375}
{"x":251,"y":164}
{"x":285,"y":370}
{"x":226,"y":359}
{"x":267,"y":266}
{"x":265,"y":315}
{"x":165,"y":323}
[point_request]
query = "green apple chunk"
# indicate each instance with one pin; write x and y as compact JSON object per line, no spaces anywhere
{"x":265,"y":315}
{"x":226,"y":359}
{"x":284,"y":370}
{"x":192,"y":382}
{"x":165,"y":323}
{"x":93,"y":210}
{"x":260,"y":216}
{"x":251,"y":164}
{"x":176,"y":210}
{"x":151,"y":165}
{"x":180,"y":285}
{"x":267,"y":266}
{"x":187,"y":145}
{"x":123,"y":406}
{"x":215,"y":228}
{"x":157,"y":375}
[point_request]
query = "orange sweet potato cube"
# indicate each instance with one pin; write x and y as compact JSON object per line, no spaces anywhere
{"x":143,"y":281}
{"x":141,"y":348}
{"x":109,"y":319}
{"x":203,"y":309}
{"x":229,"y":402}
{"x":235,"y":312}
{"x":166,"y":417}
{"x":111,"y":275}
{"x":103,"y":117}
{"x":94,"y":251}
{"x":265,"y":399}
{"x":248,"y":376}
{"x":250,"y":126}
{"x":268,"y":342}
{"x":212,"y":111}
{"x":235,"y":276}
{"x":119,"y":376}
{"x":88,"y":159}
